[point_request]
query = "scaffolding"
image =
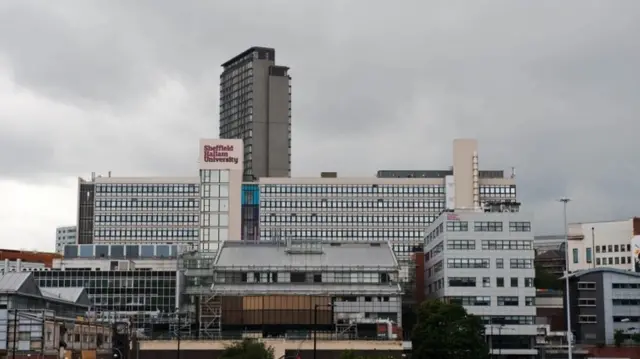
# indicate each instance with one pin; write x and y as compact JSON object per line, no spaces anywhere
{"x":196,"y":270}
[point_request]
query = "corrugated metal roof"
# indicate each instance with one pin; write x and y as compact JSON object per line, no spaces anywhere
{"x":333,"y":255}
{"x":68,"y":294}
{"x":13,"y":281}
{"x":307,"y":289}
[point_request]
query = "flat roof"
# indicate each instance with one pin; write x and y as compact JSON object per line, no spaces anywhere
{"x":245,"y":53}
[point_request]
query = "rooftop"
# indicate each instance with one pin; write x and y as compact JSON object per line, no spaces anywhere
{"x":306,"y":254}
{"x":23,"y":283}
{"x":603,"y":270}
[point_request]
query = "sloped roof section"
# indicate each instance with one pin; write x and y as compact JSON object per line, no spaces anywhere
{"x":337,"y":254}
{"x":19,"y":282}
{"x":76,"y":295}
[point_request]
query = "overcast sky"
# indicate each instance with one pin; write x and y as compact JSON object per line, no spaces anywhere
{"x":549,"y":87}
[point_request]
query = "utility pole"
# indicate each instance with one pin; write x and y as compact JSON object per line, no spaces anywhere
{"x":593,"y":246}
{"x":567,"y":306}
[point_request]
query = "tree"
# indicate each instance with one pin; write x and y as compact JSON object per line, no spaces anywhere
{"x":447,"y":331}
{"x":247,"y":349}
{"x":618,"y":337}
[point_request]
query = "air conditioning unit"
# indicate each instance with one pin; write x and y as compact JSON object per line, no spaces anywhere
{"x":123,"y":265}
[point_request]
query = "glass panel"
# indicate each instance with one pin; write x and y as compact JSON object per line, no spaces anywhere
{"x":133,"y":251}
{"x":147,"y":251}
{"x":117,"y":251}
{"x":162,"y":251}
{"x":71,"y":251}
{"x":102,"y":251}
{"x":86,"y":250}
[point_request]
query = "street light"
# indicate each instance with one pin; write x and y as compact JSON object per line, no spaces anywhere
{"x":565,"y":201}
{"x":315,"y":326}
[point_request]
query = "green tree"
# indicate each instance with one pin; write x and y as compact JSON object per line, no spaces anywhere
{"x":546,"y":280}
{"x":247,"y":349}
{"x":618,"y":337}
{"x":447,"y":331}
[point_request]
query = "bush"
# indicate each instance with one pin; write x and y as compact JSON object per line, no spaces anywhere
{"x":618,"y":337}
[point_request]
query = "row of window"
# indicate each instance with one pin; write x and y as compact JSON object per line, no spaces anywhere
{"x":463,"y":226}
{"x":386,"y":234}
{"x":120,"y":251}
{"x":335,"y":219}
{"x":146,"y":233}
{"x":614,"y":248}
{"x":148,"y":203}
{"x":486,"y":282}
{"x":303,"y":277}
{"x":634,"y":302}
{"x":514,"y":263}
{"x":144,"y":218}
{"x":470,"y":244}
{"x":355,"y":189}
{"x":143,"y":189}
{"x":613,"y":260}
{"x":625,"y":285}
{"x":485,"y":301}
{"x":434,"y":206}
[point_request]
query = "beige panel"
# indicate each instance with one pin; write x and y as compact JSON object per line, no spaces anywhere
{"x":463,"y":151}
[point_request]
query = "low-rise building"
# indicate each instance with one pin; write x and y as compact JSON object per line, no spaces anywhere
{"x":282,"y":288}
{"x":604,"y":300}
{"x":483,"y":260}
{"x":124,"y":282}
{"x":12,"y":260}
{"x":41,"y":322}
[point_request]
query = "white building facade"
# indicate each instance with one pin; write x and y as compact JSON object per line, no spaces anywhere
{"x":201,"y":211}
{"x":65,"y":235}
{"x":602,"y":244}
{"x":484,"y":261}
{"x":386,"y":208}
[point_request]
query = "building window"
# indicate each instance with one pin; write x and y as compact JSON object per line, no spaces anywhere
{"x":499,"y":263}
{"x":515,"y":263}
{"x":457,"y":226}
{"x":589,"y":255}
{"x":528,"y":282}
{"x":586,"y":286}
{"x":462,"y":281}
{"x":500,"y":282}
{"x":514,"y":282}
{"x":486,"y":282}
{"x":586,"y":302}
{"x":461,"y":244}
{"x":470,"y":301}
{"x":530,"y":301}
{"x":575,"y":256}
{"x":487,"y":226}
{"x":587,"y":319}
{"x":520,"y":226}
{"x":467,"y":263}
{"x":508,"y":301}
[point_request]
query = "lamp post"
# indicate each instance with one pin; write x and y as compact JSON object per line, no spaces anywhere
{"x":315,"y":326}
{"x":565,"y":201}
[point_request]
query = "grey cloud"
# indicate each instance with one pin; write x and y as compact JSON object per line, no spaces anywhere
{"x":548,"y":87}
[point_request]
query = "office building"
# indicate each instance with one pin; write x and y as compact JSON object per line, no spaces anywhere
{"x":483,"y":260}
{"x":611,"y":240}
{"x":604,"y":300}
{"x":65,"y":235}
{"x":281,"y":288}
{"x":395,"y":206}
{"x":135,"y":283}
{"x":255,"y":106}
{"x":38,"y":322}
{"x":201,"y":211}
